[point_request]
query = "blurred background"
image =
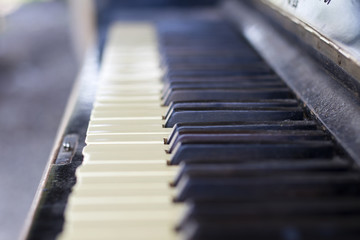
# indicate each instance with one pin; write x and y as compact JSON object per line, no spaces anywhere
{"x":38,"y":66}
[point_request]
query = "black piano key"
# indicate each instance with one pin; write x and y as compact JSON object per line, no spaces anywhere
{"x":245,"y":136}
{"x":210,"y":59}
{"x":203,"y":83}
{"x":199,"y":44}
{"x":216,"y":66}
{"x":320,"y":228}
{"x":211,"y":116}
{"x":235,"y":152}
{"x":223,"y":40}
{"x":234,"y":134}
{"x":267,"y":165}
{"x":219,"y":105}
{"x":198,"y":26}
{"x":203,"y":39}
{"x":287,"y":185}
{"x":217,"y":79}
{"x":223,"y":85}
{"x":271,"y":210}
{"x":203,"y":33}
{"x":208,"y":50}
{"x":209,"y":72}
{"x":226,"y":95}
{"x":185,"y":36}
{"x":261,"y":161}
{"x":235,"y":126}
{"x":244,"y":170}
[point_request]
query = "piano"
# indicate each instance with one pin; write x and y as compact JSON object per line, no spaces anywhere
{"x":227,"y":120}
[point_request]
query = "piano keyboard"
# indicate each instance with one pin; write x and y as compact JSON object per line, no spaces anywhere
{"x":193,"y":136}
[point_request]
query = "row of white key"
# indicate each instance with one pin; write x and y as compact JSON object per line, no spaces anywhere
{"x":122,"y":189}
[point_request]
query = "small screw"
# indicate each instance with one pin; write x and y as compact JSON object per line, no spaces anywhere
{"x":67,"y":146}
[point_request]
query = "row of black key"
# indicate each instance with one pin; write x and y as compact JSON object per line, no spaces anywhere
{"x":253,"y":165}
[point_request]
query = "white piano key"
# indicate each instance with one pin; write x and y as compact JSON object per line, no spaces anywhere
{"x":122,"y":206}
{"x":153,"y":137}
{"x":127,"y":179}
{"x":111,"y":167}
{"x":118,"y":128}
{"x":134,"y":107}
{"x":126,"y":230}
{"x":129,"y":91}
{"x":130,"y":99}
{"x":119,"y":113}
{"x":139,"y":76}
{"x":133,"y":84}
{"x":140,"y":162}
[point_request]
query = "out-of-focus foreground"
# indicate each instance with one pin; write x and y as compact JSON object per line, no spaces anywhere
{"x":37,"y":70}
